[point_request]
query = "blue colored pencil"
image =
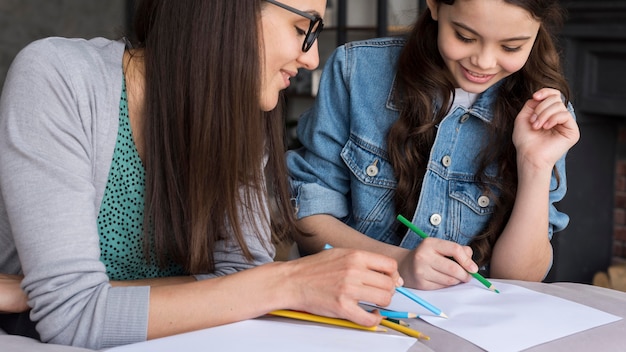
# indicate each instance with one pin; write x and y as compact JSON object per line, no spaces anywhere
{"x":421,"y":302}
{"x":396,"y":315}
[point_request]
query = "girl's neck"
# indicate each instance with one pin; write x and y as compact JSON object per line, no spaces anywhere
{"x":463,"y":98}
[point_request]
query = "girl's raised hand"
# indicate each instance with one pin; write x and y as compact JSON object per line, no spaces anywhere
{"x":544,"y":129}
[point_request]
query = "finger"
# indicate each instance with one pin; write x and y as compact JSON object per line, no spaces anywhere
{"x":546,"y":110}
{"x":462,"y":255}
{"x":376,"y":279}
{"x":449,"y":266}
{"x":376,"y":275}
{"x":378,"y":296}
{"x":466,"y":260}
{"x":440,"y":277}
{"x":443,"y":272}
{"x":560,"y":118}
{"x":528,"y":111}
{"x":360,"y":316}
{"x":542,"y":93}
{"x":381,"y":263}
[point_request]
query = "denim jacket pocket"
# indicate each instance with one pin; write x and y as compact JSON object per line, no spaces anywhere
{"x":373,"y":182}
{"x":368,"y":163}
{"x":473,"y":209}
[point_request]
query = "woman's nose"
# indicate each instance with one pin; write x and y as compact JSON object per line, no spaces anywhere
{"x":310,"y":59}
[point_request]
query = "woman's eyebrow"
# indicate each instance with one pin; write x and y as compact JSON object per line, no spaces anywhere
{"x":313,"y":12}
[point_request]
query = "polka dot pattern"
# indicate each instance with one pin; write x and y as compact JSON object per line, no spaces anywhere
{"x":120,"y":220}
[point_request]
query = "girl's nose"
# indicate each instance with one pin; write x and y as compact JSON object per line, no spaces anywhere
{"x":484,"y":59}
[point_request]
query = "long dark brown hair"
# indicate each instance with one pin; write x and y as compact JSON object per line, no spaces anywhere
{"x":423,"y":79}
{"x":205,"y":134}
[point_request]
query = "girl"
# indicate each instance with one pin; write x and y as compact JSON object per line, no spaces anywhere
{"x":465,"y":131}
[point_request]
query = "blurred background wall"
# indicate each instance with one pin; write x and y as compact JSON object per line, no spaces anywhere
{"x":22,"y":21}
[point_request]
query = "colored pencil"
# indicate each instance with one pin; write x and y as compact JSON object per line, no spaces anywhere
{"x":396,"y":315}
{"x":415,"y":298}
{"x":421,"y":233}
{"x":403,"y":329}
{"x":324,"y":320}
{"x":419,"y":300}
{"x":398,"y":321}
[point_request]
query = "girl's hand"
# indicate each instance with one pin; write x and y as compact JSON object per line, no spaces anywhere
{"x":332,"y":283}
{"x":544,"y":129}
{"x":429,"y":266}
{"x":12,"y":298}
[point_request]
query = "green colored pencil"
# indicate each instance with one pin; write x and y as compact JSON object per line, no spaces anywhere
{"x":421,"y":233}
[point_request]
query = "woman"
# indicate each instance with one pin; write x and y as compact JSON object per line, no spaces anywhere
{"x":135,"y":178}
{"x":465,"y":132}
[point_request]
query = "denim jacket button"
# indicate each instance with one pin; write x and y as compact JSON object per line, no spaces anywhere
{"x":464,"y":118}
{"x":483,"y":201}
{"x":446,"y":161}
{"x":435,"y":219}
{"x":372,"y":170}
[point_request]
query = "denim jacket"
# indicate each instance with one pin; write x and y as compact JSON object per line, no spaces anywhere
{"x":343,"y":167}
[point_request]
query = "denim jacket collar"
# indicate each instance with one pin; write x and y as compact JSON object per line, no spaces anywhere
{"x":481,"y":107}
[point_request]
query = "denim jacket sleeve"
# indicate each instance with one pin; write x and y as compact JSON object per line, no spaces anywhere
{"x":318,"y":179}
{"x":343,"y":134}
{"x":348,"y":107}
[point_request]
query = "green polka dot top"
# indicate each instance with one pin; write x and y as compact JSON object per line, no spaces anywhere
{"x":120,"y":220}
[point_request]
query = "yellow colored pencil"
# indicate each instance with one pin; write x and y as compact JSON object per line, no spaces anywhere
{"x":325,"y":320}
{"x":403,"y":329}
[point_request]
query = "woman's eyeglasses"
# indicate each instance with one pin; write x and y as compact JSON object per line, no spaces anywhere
{"x":315,"y":28}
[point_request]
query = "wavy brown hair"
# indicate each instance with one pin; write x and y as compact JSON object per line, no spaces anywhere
{"x":425,"y":87}
{"x":205,"y":134}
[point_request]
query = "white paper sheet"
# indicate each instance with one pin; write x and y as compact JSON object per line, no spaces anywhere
{"x":274,"y":334}
{"x":514,"y":320}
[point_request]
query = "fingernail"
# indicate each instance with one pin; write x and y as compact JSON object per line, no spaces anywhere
{"x":400,"y":282}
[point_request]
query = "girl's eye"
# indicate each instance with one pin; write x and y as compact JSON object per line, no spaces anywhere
{"x":511,"y":50}
{"x":463,"y":39}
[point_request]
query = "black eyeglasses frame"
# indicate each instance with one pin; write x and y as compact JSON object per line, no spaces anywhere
{"x":316,"y":20}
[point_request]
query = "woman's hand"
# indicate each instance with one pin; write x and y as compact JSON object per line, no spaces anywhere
{"x":544,"y":129}
{"x":429,"y":266}
{"x":332,"y":283}
{"x":12,"y":298}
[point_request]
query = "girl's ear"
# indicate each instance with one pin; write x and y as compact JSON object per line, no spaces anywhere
{"x":432,"y":6}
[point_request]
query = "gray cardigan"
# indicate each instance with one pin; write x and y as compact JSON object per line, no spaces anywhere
{"x":58,"y":126}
